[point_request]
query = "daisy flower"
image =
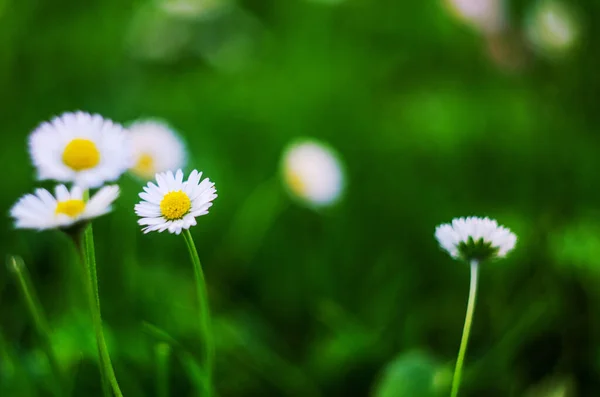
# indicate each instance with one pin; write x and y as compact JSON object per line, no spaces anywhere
{"x":80,"y":148}
{"x":312,"y":172}
{"x":488,"y":16}
{"x":43,"y":211}
{"x":172,"y":204}
{"x":194,"y":8}
{"x":156,"y":148}
{"x":552,"y":27}
{"x":475,"y":239}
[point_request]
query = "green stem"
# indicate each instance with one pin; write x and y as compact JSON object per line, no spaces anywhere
{"x":91,"y":285}
{"x":162,"y":351}
{"x":466,"y":329}
{"x":38,"y":316}
{"x":205,"y":322}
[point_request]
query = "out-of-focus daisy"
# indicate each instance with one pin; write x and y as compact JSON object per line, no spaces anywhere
{"x":194,"y":8}
{"x":156,"y":148}
{"x":312,"y":172}
{"x":488,"y":16}
{"x":85,"y":149}
{"x":328,"y":2}
{"x":172,"y":204}
{"x":552,"y":27}
{"x":43,"y":211}
{"x":475,"y":239}
{"x":230,"y":40}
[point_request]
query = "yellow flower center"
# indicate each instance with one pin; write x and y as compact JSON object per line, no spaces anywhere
{"x":144,"y":166}
{"x":295,"y":182}
{"x":71,"y":208}
{"x":175,"y":205}
{"x":81,"y":154}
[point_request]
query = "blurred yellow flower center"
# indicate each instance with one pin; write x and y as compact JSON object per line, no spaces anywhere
{"x":81,"y":154}
{"x":144,"y":166}
{"x":175,"y":205}
{"x":71,"y":208}
{"x":295,"y":182}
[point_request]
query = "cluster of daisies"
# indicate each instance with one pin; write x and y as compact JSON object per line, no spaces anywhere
{"x":89,"y":152}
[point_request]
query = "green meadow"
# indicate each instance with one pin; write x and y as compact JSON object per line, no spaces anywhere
{"x":431,"y":117}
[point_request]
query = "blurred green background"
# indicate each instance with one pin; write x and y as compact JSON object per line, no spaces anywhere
{"x":433,"y":118}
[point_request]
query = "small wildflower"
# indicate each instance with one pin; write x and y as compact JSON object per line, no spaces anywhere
{"x":312,"y":172}
{"x":552,"y":27}
{"x":194,"y":8}
{"x":80,"y":148}
{"x":173,"y":204}
{"x":43,"y":211}
{"x":487,"y":16}
{"x":475,"y":239}
{"x":156,"y":148}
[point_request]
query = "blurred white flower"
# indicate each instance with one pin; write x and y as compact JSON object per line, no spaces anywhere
{"x":475,"y":239}
{"x":42,"y":210}
{"x":552,"y":27}
{"x":156,"y":148}
{"x":80,"y":148}
{"x":328,"y":2}
{"x":157,"y":36}
{"x":173,"y":204}
{"x":488,"y":16}
{"x":194,"y":8}
{"x":230,"y":40}
{"x":312,"y":172}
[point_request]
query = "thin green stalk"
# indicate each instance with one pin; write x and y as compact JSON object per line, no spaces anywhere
{"x":91,"y":285}
{"x":38,"y":316}
{"x":163,"y":352}
{"x":466,"y":329}
{"x":205,"y":322}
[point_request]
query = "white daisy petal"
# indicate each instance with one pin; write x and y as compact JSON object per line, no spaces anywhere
{"x":173,"y":205}
{"x":77,"y":193}
{"x":84,"y":149}
{"x":475,"y":239}
{"x":44,"y":211}
{"x":62,"y":193}
{"x":101,"y":202}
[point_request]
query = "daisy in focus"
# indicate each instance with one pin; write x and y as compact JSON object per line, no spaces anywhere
{"x":66,"y":208}
{"x":475,"y":239}
{"x":156,"y":148}
{"x":85,"y":149}
{"x":172,"y":204}
{"x":313,"y":173}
